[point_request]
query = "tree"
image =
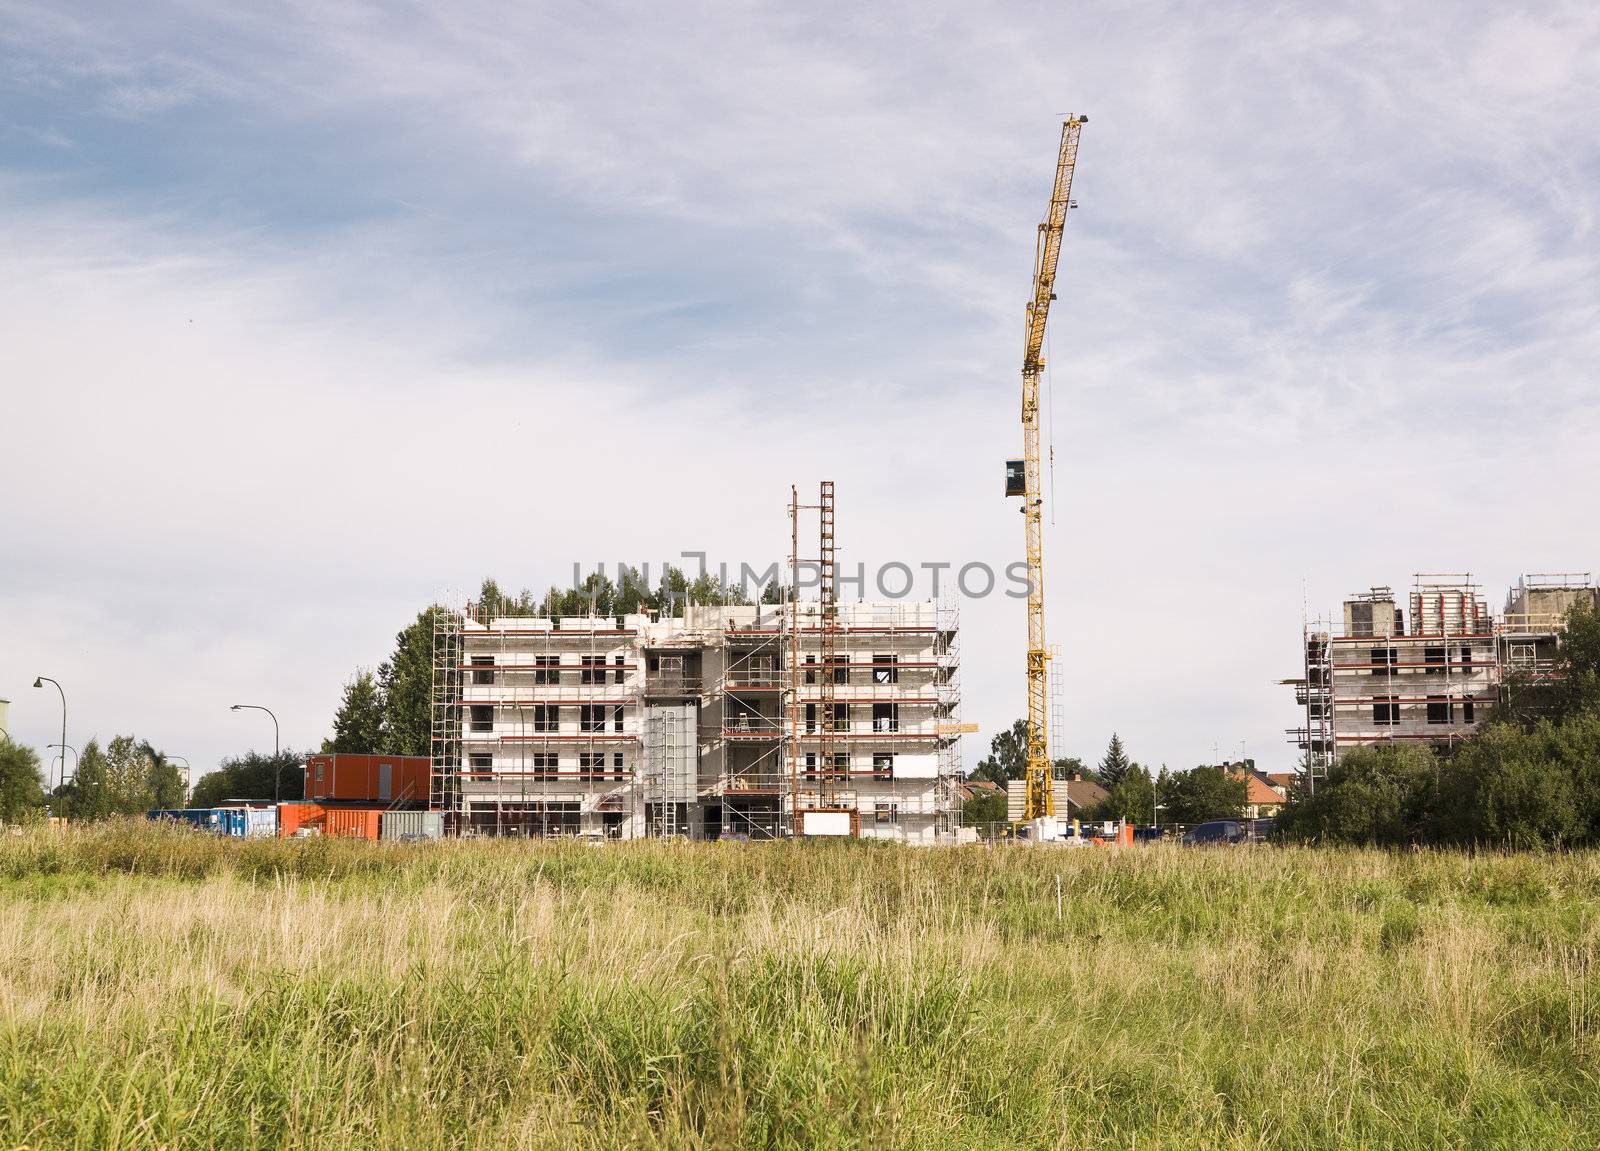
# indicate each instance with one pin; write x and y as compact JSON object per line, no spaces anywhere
{"x":405,"y":684}
{"x":1133,"y":798}
{"x":1578,"y":661}
{"x":1068,"y":766}
{"x":1374,"y":795}
{"x":1204,"y":793}
{"x":672,"y":592}
{"x":633,"y":595}
{"x":252,"y":776}
{"x":1515,"y":787}
{"x":87,"y":796}
{"x":359,"y":722}
{"x":987,"y":807}
{"x":775,"y":593}
{"x":127,"y":777}
{"x":21,"y":785}
{"x":1008,"y":755}
{"x":1115,"y":764}
{"x":163,"y":780}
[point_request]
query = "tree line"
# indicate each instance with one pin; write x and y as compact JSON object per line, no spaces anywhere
{"x":126,"y":776}
{"x":1529,"y":777}
{"x":1134,"y":792}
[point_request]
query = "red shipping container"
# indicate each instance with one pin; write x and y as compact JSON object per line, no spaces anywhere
{"x":402,"y":780}
{"x":293,"y":816}
{"x":353,"y":822}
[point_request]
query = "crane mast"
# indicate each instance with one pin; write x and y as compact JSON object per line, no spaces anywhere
{"x":1024,"y":480}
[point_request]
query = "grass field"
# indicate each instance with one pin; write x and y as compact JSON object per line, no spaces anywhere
{"x":164,"y":989}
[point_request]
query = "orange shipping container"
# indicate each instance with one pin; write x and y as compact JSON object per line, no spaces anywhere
{"x":293,"y":816}
{"x":386,"y":779}
{"x":353,"y":822}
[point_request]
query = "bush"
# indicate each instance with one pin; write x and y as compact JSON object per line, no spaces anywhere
{"x":1373,"y":795}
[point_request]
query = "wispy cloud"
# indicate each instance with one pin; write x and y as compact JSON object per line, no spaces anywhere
{"x":277,"y":280}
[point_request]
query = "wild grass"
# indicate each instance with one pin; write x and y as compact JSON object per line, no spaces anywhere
{"x":162,"y":988}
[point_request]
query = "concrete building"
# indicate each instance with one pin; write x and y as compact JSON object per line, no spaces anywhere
{"x":755,"y":721}
{"x":1428,"y":671}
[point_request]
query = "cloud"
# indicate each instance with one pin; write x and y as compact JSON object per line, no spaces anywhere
{"x":330,"y":309}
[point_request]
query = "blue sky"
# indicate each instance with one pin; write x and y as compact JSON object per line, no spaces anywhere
{"x":314,"y":313}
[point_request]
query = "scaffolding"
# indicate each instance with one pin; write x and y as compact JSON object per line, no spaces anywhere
{"x":1377,"y":680}
{"x":731,"y":719}
{"x":444,"y":711}
{"x":1314,"y":693}
{"x":581,"y":774}
{"x":670,"y":768}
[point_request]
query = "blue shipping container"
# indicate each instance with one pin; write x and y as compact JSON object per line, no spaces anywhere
{"x":236,"y":822}
{"x":261,"y":822}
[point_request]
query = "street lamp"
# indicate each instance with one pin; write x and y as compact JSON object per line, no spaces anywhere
{"x":62,"y":789}
{"x":275,"y":764}
{"x":40,"y":681}
{"x":186,"y":779}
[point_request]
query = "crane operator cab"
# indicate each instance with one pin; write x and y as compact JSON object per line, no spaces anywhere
{"x":1016,"y":478}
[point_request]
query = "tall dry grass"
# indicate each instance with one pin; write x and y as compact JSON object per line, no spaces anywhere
{"x":166,"y":989}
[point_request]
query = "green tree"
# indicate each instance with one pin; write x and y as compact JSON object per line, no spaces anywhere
{"x":358,"y":725}
{"x":1374,"y":795}
{"x":673,"y":590}
{"x":775,"y":593}
{"x":1114,"y":765}
{"x":252,"y":776}
{"x":1527,"y":699}
{"x":405,"y":685}
{"x":1068,"y":766}
{"x":88,"y":795}
{"x":21,"y":784}
{"x":1133,"y":798}
{"x":1203,"y":793}
{"x":128,"y":790}
{"x":1008,"y":755}
{"x":1578,"y":661}
{"x":985,"y":808}
{"x":163,"y":780}
{"x":1515,"y":787}
{"x":633,"y":595}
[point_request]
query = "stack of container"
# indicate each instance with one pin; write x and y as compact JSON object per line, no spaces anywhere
{"x":350,"y":796}
{"x":372,"y":796}
{"x":236,"y":821}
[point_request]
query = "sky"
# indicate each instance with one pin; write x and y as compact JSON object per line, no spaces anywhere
{"x":312,"y":314}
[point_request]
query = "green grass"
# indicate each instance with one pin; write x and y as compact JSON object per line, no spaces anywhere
{"x":167,"y":989}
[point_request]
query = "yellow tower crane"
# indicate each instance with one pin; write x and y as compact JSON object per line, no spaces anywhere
{"x":1022,"y":476}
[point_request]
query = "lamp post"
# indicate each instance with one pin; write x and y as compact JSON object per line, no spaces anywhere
{"x":186,"y":780}
{"x":40,"y":681}
{"x":64,"y":749}
{"x":275,"y":765}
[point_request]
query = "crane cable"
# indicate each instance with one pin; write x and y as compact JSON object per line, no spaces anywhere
{"x":1050,"y":417}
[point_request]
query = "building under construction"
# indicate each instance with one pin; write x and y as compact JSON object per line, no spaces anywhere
{"x":806,"y":717}
{"x":1428,"y":671}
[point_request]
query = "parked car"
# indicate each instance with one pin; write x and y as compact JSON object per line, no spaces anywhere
{"x":1218,"y":831}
